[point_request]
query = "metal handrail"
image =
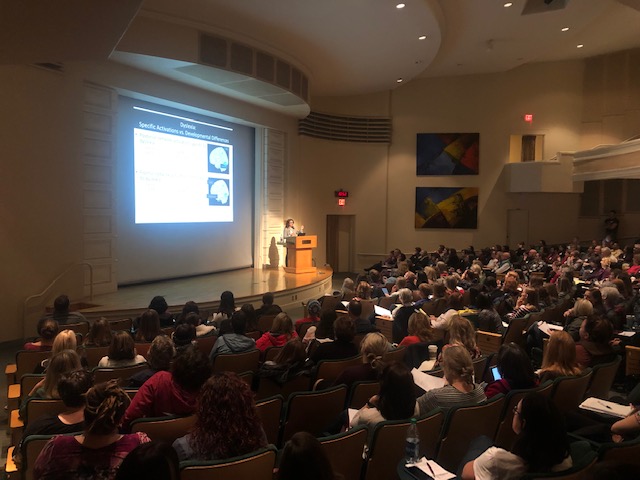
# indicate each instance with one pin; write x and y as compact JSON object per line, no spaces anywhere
{"x":53,"y":284}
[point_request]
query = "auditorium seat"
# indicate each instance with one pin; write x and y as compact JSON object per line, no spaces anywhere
{"x":568,"y":392}
{"x":125,"y":324}
{"x":344,"y":451}
{"x":361,"y":392}
{"x":256,"y":466}
{"x":269,"y":411}
{"x":602,"y":379}
{"x":165,"y":429}
{"x":267,"y":387}
{"x":237,"y":362}
{"x":101,"y":374}
{"x":330,"y":370}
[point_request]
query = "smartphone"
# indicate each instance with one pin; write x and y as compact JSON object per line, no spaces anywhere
{"x":417,"y":473}
{"x":495,"y":373}
{"x":385,"y":291}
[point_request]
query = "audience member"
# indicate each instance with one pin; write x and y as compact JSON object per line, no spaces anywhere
{"x":281,"y":332}
{"x":313,"y":315}
{"x":401,"y":315}
{"x":227,"y":424}
{"x":148,"y":326}
{"x":304,"y":457}
{"x":61,"y":313}
{"x":420,"y":330}
{"x":122,"y":352}
{"x":342,"y":347}
{"x":153,"y":460}
{"x":268,"y":307}
{"x":372,"y":348}
{"x":159,"y":304}
{"x":559,"y":357}
{"x":99,"y":334}
{"x":235,"y":341}
{"x":488,"y":318}
{"x":184,"y":336}
{"x":322,"y":333}
{"x":594,"y":346}
{"x":159,"y":357}
{"x":99,"y":451}
{"x":290,"y":361}
{"x":174,"y":392}
{"x":461,"y":332}
{"x":47,"y":330}
{"x":362,"y":325}
{"x":515,"y":369}
{"x":226,"y":308}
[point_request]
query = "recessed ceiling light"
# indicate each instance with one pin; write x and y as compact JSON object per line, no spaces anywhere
{"x":508,"y":4}
{"x":422,"y":37}
{"x":399,"y":80}
{"x":565,"y":29}
{"x":580,"y":46}
{"x":400,"y":5}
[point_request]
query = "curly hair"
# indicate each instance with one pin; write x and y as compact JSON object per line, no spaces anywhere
{"x":227,"y":424}
{"x":161,"y":353}
{"x":106,"y":406}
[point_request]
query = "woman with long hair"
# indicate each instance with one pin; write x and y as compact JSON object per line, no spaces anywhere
{"x":122,"y":352}
{"x":541,"y":444}
{"x":488,"y":318}
{"x":290,"y":361}
{"x":226,"y":308}
{"x":559,"y":357}
{"x":461,"y":332}
{"x":420,"y":329}
{"x":396,"y":400}
{"x":227,"y":424}
{"x":528,"y":302}
{"x":99,"y":334}
{"x":372,"y":348}
{"x":460,"y":388}
{"x":100,"y":449}
{"x":515,"y":369}
{"x":148,"y":326}
{"x":281,"y":332}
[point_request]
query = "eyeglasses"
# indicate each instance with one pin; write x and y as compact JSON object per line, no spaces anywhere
{"x":515,"y":411}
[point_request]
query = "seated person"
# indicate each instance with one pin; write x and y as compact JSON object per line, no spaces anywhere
{"x":155,"y":460}
{"x":372,"y":349}
{"x":159,"y":357}
{"x":290,"y":361}
{"x":227,"y":424}
{"x":65,"y":340}
{"x":226,"y":308}
{"x":401,"y":315}
{"x":516,"y":370}
{"x":171,"y":393}
{"x":98,"y":452}
{"x":559,"y":357}
{"x":148,"y":326}
{"x":461,"y":332}
{"x":201,"y":329}
{"x":268,"y":307}
{"x":528,"y":302}
{"x":460,"y":388}
{"x":541,"y":445}
{"x":362,"y":325}
{"x":159,"y":304}
{"x":321,"y":333}
{"x":99,"y":335}
{"x":342,"y":347}
{"x":122,"y":352}
{"x":61,"y":313}
{"x":594,"y":347}
{"x":396,"y":400}
{"x":420,"y":330}
{"x":184,"y":336}
{"x":488,"y":318}
{"x":313,"y":315}
{"x":72,"y":388}
{"x":47,"y":331}
{"x":301,"y":455}
{"x":281,"y":332}
{"x":235,"y":341}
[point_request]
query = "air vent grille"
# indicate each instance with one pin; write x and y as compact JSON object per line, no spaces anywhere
{"x":346,"y":129}
{"x":223,"y":53}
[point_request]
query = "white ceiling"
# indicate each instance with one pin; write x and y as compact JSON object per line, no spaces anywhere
{"x":344,"y":46}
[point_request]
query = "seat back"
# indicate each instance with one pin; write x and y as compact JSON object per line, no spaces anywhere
{"x":602,"y":379}
{"x":395,"y":355}
{"x":123,"y":324}
{"x":516,"y":331}
{"x":27,"y":382}
{"x":624,"y":452}
{"x":166,"y":429}
{"x":387,"y":302}
{"x":632,"y":361}
{"x":269,"y":411}
{"x":256,"y":466}
{"x":368,"y":306}
{"x":463,"y":424}
{"x":101,"y":375}
{"x":27,"y":361}
{"x":302,"y":331}
{"x":142,"y":348}
{"x":237,"y":362}
{"x":361,"y":392}
{"x":206,"y":343}
{"x":479,"y":367}
{"x":268,"y":388}
{"x":345,"y":452}
{"x":416,"y":353}
{"x":329,"y":303}
{"x":80,"y":327}
{"x":387,"y":444}
{"x":568,"y":392}
{"x":505,"y":436}
{"x":330,"y":370}
{"x":271,"y":353}
{"x":93,"y":354}
{"x":312,"y":411}
{"x":38,"y":407}
{"x":583,"y":457}
{"x":488,"y":342}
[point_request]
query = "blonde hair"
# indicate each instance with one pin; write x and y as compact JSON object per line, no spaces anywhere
{"x":431,"y":273}
{"x":560,"y":354}
{"x":583,"y":308}
{"x":363,"y":290}
{"x":65,"y":340}
{"x":372,"y":348}
{"x":457,"y":364}
{"x":60,"y":363}
{"x":462,"y":332}
{"x":420,"y":326}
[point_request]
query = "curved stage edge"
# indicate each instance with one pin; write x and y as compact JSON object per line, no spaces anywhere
{"x":248,"y":285}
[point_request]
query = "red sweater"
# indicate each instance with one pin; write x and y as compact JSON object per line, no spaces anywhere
{"x":160,"y":396}
{"x":270,"y":340}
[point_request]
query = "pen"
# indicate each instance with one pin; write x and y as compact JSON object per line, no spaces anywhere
{"x":431,"y":470}
{"x":605,"y":405}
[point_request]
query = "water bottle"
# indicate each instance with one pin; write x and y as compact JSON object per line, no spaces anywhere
{"x":412,"y":445}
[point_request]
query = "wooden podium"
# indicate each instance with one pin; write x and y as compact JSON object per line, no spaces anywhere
{"x":300,"y":254}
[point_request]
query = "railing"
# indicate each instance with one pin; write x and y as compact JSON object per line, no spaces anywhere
{"x":49,"y":288}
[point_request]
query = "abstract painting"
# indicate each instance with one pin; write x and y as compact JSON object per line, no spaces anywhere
{"x":446,"y":207}
{"x":447,"y":153}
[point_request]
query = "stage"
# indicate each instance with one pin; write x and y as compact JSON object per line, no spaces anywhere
{"x":247,"y":285}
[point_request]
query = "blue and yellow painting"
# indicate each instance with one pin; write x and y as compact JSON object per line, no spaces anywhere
{"x":448,"y":154}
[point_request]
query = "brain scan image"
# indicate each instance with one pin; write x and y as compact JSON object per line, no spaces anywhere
{"x":219,"y":191}
{"x":219,"y":159}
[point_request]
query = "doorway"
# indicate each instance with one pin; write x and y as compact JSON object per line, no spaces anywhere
{"x":341,"y":242}
{"x":517,"y":227}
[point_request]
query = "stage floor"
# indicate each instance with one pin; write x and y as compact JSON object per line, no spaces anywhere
{"x":248,"y":285}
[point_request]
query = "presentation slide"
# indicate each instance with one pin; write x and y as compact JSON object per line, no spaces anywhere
{"x":183,"y":169}
{"x":185,"y":193}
